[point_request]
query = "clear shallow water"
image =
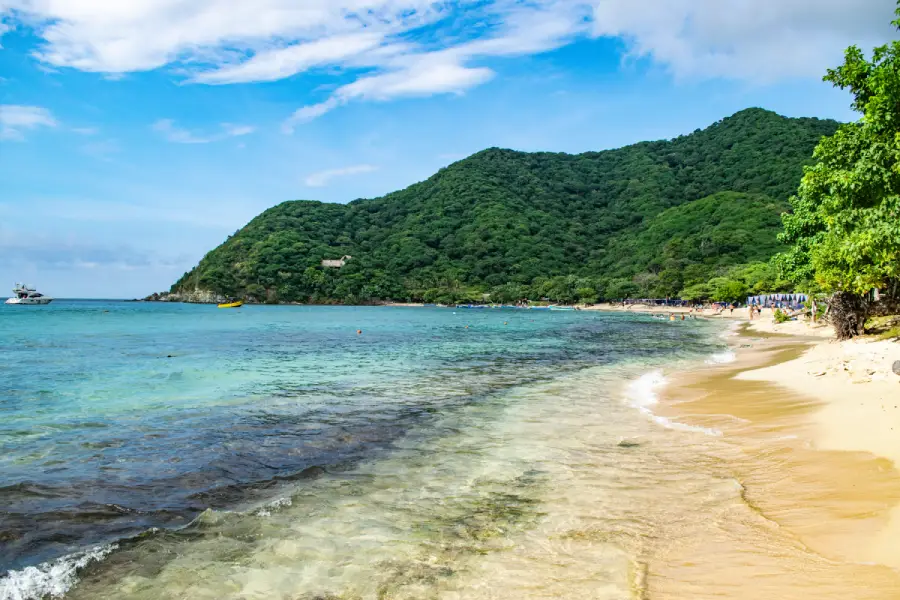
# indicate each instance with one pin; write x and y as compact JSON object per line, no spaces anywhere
{"x":394,"y":458}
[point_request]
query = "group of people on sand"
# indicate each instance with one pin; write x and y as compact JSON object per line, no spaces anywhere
{"x":674,"y":317}
{"x":755,"y":311}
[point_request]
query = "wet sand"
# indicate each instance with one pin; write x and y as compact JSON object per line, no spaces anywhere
{"x":835,"y":502}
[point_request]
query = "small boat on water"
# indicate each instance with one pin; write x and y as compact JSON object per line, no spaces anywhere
{"x":27,"y":295}
{"x":235,"y":304}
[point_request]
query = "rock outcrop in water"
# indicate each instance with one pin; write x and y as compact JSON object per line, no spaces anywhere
{"x":192,"y":297}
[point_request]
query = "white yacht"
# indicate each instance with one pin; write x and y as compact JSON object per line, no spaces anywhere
{"x":26,"y":294}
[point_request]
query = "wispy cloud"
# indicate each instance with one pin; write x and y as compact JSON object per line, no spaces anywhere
{"x":237,"y":130}
{"x":51,"y":252}
{"x":15,"y":120}
{"x":425,"y":77}
{"x":85,"y":130}
{"x":526,"y":29}
{"x":272,"y":65}
{"x":102,"y":149}
{"x":122,"y":37}
{"x":176,"y":210}
{"x":178,"y":135}
{"x":322,"y":178}
{"x":401,"y":48}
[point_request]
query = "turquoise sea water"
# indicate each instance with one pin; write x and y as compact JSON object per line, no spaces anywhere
{"x":121,"y":418}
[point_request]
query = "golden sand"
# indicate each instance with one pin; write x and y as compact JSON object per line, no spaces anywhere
{"x":838,"y":507}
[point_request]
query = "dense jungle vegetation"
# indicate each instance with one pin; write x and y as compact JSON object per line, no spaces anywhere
{"x":696,"y":217}
{"x":844,"y":226}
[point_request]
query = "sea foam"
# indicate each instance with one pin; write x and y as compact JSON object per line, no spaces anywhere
{"x":50,"y":579}
{"x":721,"y":358}
{"x":643,"y":393}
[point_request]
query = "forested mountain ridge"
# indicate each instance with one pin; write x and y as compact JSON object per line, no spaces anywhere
{"x":649,"y":219}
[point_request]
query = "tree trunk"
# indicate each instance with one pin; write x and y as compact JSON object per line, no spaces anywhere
{"x":848,"y":314}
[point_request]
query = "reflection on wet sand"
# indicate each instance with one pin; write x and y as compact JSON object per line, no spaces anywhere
{"x":825,"y":512}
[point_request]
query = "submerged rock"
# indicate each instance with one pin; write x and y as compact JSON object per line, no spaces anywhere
{"x":313,"y":472}
{"x":628,"y":444}
{"x":191,"y":297}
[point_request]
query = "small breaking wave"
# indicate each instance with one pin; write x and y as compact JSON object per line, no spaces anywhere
{"x":266,"y":511}
{"x":50,"y":579}
{"x":721,"y":358}
{"x":643,"y":394}
{"x":732,"y":330}
{"x":643,"y":391}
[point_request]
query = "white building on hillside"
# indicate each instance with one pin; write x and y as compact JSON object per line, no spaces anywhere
{"x":336,"y":264}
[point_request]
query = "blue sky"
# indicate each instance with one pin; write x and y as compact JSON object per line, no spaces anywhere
{"x":135,"y":136}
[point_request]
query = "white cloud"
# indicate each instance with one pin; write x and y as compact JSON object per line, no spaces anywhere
{"x":422,"y":78}
{"x":322,"y":178}
{"x":386,"y":45}
{"x":112,"y":36}
{"x":745,"y":39}
{"x":308,"y":113}
{"x":85,"y":130}
{"x":536,"y":28}
{"x":272,"y":65}
{"x":237,"y":130}
{"x":176,"y":134}
{"x":16,"y":119}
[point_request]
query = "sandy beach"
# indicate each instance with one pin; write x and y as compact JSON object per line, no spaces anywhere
{"x":814,"y":425}
{"x":860,"y":395}
{"x":740,"y":314}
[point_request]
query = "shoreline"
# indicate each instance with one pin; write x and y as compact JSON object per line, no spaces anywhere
{"x":814,"y":430}
{"x":721,"y":490}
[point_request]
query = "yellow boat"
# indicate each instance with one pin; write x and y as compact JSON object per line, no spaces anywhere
{"x":237,"y":304}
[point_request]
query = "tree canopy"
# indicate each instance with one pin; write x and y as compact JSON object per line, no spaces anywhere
{"x":844,"y":230}
{"x":651,"y":219}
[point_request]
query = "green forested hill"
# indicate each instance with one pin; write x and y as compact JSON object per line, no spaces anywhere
{"x":649,"y":219}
